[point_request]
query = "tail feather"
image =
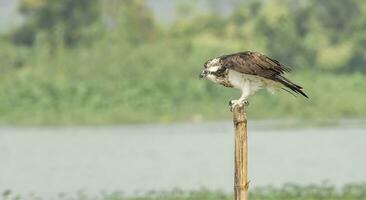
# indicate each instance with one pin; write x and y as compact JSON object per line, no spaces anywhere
{"x":292,"y":86}
{"x":289,"y":91}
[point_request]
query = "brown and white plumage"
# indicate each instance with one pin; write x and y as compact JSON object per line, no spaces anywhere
{"x":249,"y":71}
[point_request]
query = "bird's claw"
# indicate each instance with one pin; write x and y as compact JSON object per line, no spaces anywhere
{"x":234,"y":103}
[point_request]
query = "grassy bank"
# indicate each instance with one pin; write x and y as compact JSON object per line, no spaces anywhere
{"x":288,"y":192}
{"x":157,"y":82}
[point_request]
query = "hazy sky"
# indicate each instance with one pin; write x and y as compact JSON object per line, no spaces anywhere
{"x":164,"y":10}
{"x":7,"y":13}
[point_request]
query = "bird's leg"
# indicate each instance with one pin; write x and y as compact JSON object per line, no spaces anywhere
{"x":243,"y":98}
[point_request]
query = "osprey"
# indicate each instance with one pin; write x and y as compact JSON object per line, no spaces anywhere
{"x":249,"y":72}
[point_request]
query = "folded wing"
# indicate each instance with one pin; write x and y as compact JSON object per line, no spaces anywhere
{"x":257,"y":64}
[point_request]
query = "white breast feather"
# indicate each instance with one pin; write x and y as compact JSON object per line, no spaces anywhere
{"x":249,"y":84}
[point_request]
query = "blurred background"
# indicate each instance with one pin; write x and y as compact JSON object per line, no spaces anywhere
{"x":98,"y":96}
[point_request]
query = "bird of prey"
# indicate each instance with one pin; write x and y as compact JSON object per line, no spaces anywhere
{"x":249,"y":71}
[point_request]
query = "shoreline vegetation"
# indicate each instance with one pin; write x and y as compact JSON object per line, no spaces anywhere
{"x":287,"y":192}
{"x":70,"y":96}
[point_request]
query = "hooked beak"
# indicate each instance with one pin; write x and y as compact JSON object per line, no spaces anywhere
{"x":202,"y":75}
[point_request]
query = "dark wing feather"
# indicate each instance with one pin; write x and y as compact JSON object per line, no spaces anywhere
{"x":254,"y":64}
{"x":257,"y":64}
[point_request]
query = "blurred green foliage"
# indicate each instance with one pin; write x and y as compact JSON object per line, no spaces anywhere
{"x":127,"y":67}
{"x":287,"y":192}
{"x":63,"y":20}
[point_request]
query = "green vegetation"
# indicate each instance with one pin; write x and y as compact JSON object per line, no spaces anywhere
{"x":288,"y":192}
{"x":127,"y":68}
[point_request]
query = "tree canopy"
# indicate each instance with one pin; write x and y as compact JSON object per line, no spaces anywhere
{"x":320,"y":34}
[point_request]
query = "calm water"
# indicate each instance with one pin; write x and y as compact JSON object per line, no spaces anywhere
{"x":133,"y":159}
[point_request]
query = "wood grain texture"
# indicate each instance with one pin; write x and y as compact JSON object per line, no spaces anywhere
{"x":241,"y":184}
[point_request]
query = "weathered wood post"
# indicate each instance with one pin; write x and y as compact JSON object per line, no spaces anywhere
{"x":241,"y":184}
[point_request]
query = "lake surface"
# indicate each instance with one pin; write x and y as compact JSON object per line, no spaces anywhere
{"x":135,"y":159}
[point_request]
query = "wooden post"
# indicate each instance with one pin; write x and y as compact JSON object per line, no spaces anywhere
{"x":241,"y":184}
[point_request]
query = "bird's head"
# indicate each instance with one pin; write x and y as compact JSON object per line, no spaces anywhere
{"x":211,"y":65}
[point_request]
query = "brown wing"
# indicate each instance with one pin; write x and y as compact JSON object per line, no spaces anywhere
{"x":254,"y":64}
{"x":257,"y":64}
